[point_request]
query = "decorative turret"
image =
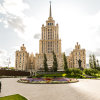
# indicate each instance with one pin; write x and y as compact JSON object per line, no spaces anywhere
{"x":77,"y":46}
{"x":23,"y":48}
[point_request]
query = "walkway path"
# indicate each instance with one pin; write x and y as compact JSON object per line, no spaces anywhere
{"x":83,"y":90}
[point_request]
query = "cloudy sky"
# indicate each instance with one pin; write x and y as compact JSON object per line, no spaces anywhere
{"x":21,"y":21}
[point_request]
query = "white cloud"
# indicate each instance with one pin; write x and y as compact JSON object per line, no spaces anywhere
{"x":15,"y":7}
{"x":16,"y":23}
{"x":37,"y":36}
{"x":68,"y":51}
{"x":13,"y":16}
{"x":3,"y":57}
{"x":80,"y":28}
{"x":8,"y":56}
{"x":73,"y":25}
{"x":3,"y":52}
{"x":12,"y":13}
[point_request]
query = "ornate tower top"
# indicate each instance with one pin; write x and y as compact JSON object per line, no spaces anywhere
{"x":23,"y":48}
{"x":50,"y":36}
{"x":77,"y":46}
{"x":50,"y":12}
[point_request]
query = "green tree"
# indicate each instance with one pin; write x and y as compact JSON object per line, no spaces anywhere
{"x":45,"y":63}
{"x":65,"y":62}
{"x":97,"y":63}
{"x":94,"y":61}
{"x":55,"y":64}
{"x":90,"y":61}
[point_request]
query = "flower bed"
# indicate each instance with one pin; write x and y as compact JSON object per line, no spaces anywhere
{"x":47,"y":80}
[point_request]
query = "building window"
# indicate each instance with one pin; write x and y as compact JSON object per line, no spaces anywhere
{"x":50,"y":23}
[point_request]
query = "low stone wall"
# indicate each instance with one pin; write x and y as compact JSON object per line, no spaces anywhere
{"x":13,"y":73}
{"x":59,"y":72}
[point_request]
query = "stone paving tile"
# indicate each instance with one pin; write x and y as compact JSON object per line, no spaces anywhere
{"x":73,"y":91}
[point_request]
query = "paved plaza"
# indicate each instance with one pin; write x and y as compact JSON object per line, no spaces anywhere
{"x":83,"y":90}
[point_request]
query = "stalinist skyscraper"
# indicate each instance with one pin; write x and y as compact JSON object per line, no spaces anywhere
{"x":50,"y":37}
{"x":49,"y":43}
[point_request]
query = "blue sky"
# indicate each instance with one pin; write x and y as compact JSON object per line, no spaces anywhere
{"x":21,"y":21}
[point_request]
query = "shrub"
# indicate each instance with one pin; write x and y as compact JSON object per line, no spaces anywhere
{"x":74,"y":70}
{"x":74,"y":73}
{"x":98,"y":68}
{"x":39,"y":75}
{"x":64,"y":75}
{"x":91,"y":72}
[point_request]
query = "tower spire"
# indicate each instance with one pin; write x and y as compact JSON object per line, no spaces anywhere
{"x":50,"y":13}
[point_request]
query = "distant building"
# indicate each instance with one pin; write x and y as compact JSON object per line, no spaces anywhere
{"x":75,"y":55}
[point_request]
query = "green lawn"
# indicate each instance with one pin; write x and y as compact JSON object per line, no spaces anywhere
{"x":13,"y":97}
